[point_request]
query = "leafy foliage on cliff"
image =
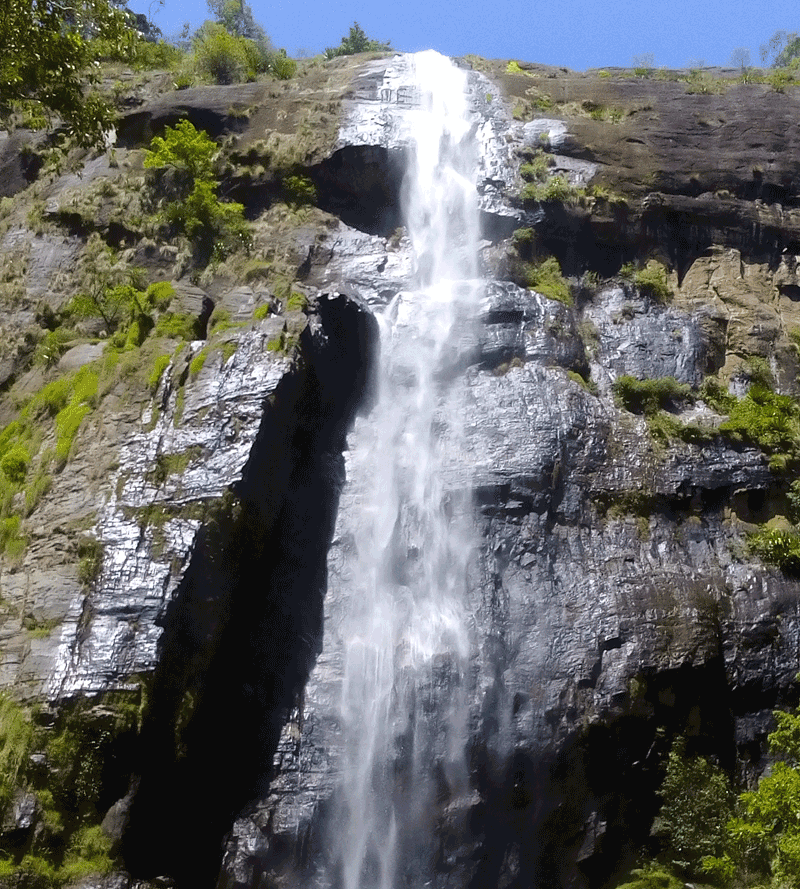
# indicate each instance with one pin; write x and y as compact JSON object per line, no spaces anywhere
{"x":50,"y":53}
{"x":354,"y":42}
{"x":763,"y":840}
{"x":649,"y":396}
{"x":698,"y":802}
{"x":234,"y":48}
{"x":215,"y":228}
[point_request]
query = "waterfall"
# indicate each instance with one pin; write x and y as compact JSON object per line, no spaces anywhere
{"x":403,"y":716}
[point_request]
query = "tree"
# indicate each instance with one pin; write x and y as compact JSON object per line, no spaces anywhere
{"x":235,"y":48}
{"x":46,"y":65}
{"x":236,"y":17}
{"x":740,"y":58}
{"x":356,"y":41}
{"x":697,"y":804}
{"x":764,"y":839}
{"x":214,"y":227}
{"x":782,"y":50}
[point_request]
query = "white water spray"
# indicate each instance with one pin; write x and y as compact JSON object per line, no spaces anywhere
{"x":406,"y":644}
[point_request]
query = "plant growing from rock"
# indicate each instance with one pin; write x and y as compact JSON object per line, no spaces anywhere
{"x":546,"y":278}
{"x":766,"y":419}
{"x":356,"y":41}
{"x":698,"y":801}
{"x":214,"y":227}
{"x":650,"y":280}
{"x":649,"y":396}
{"x":763,"y":840}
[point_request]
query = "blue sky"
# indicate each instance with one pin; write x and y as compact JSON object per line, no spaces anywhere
{"x":576,"y":33}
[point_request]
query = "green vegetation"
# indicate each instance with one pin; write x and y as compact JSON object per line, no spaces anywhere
{"x":88,"y":854}
{"x":198,"y":362}
{"x":762,"y":842}
{"x":588,"y":384}
{"x":778,"y":547}
{"x":233,"y":48}
{"x":214,"y":227}
{"x":650,"y":280}
{"x":354,"y":42}
{"x":536,"y":169}
{"x":698,"y":801}
{"x":90,"y":553}
{"x":649,"y":396}
{"x":261,"y":312}
{"x":178,"y":326}
{"x":297,"y":302}
{"x":15,"y":464}
{"x":782,"y":50}
{"x":513,"y":67}
{"x":715,"y":395}
{"x":546,"y":278}
{"x":159,"y":366}
{"x":652,"y":877}
{"x":767,"y":420}
{"x":16,"y":734}
{"x":49,"y":62}
{"x":299,"y":191}
{"x":555,"y":189}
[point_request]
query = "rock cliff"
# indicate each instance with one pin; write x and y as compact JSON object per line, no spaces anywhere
{"x":171,"y":573}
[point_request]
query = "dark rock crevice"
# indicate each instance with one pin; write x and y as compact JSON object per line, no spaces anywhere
{"x":244,"y":628}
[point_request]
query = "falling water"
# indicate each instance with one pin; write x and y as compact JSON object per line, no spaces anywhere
{"x":403,"y":712}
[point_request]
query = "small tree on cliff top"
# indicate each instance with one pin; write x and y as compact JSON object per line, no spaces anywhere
{"x":356,"y":41}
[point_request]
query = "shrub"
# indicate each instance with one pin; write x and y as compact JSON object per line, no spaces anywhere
{"x":297,"y":302}
{"x":546,"y":278}
{"x":652,"y":878}
{"x":652,"y":281}
{"x":354,"y":42}
{"x":765,"y":419}
{"x":12,"y":540}
{"x":299,"y":190}
{"x":83,"y":387}
{"x":777,"y":547}
{"x":215,"y":227}
{"x":536,"y":169}
{"x":15,"y":464}
{"x":88,"y":853}
{"x":764,"y":838}
{"x":556,"y":189}
{"x":281,"y":66}
{"x":716,"y":395}
{"x":150,"y":54}
{"x":184,"y":148}
{"x":159,"y":366}
{"x":698,"y":802}
{"x":178,"y":326}
{"x":649,"y":396}
{"x":16,"y":735}
{"x":224,"y":58}
{"x":90,"y":554}
{"x":198,"y":362}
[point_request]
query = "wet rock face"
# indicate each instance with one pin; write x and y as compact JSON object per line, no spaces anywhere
{"x":613,"y":603}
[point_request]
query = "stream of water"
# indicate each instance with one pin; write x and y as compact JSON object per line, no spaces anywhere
{"x":406,"y":648}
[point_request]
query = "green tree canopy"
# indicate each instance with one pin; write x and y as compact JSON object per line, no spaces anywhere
{"x":764,"y":839}
{"x":46,"y":66}
{"x":236,"y":17}
{"x":356,"y":41}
